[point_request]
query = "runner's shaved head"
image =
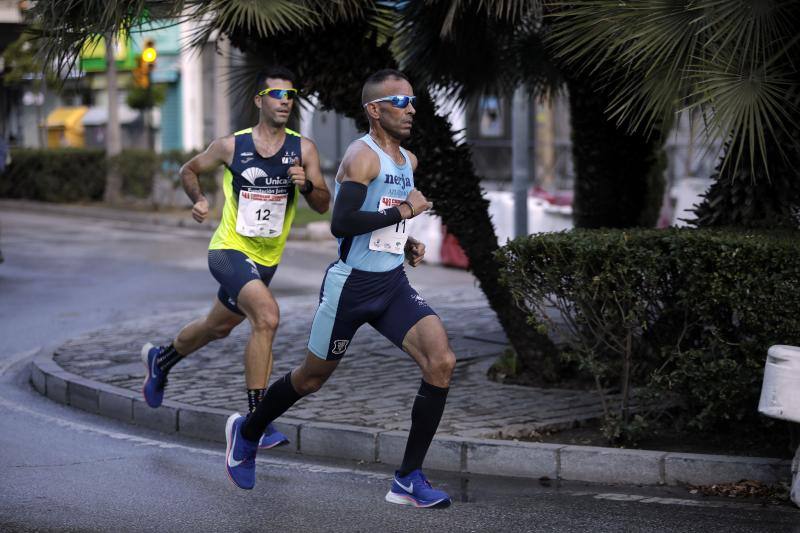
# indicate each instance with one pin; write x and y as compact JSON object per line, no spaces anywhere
{"x":373,"y":87}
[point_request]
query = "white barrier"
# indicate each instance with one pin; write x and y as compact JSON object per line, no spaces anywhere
{"x":687,"y":192}
{"x":780,"y":396}
{"x":427,"y":228}
{"x":542,"y":217}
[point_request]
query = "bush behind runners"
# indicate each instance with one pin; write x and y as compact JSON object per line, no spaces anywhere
{"x":686,"y":315}
{"x":78,"y":174}
{"x":54,"y":175}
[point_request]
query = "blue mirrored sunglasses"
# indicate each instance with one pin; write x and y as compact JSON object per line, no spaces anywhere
{"x":398,"y":100}
{"x":279,"y":94}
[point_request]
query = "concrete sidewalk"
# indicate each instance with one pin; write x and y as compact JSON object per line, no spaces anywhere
{"x":363,"y":412}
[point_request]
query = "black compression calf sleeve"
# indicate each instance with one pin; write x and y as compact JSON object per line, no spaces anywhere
{"x":348,"y":220}
{"x":425,"y":416}
{"x":280,"y":396}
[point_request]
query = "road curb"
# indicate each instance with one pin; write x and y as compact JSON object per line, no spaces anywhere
{"x":448,"y":453}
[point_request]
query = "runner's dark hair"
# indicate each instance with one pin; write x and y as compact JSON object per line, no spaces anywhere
{"x":275,"y":72}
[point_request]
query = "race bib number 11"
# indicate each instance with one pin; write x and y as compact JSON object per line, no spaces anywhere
{"x":392,"y":238}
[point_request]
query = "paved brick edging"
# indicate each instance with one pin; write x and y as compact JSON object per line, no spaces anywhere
{"x":448,"y":453}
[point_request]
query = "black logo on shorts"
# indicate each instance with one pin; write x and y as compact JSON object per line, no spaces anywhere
{"x":339,"y":347}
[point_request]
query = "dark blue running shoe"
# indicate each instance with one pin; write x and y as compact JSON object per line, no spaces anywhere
{"x":272,"y":438}
{"x":415,"y":489}
{"x":240,"y":455}
{"x":154,"y":380}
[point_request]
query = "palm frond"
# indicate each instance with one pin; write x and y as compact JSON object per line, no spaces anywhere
{"x":472,"y":47}
{"x":63,"y":26}
{"x":68,"y":24}
{"x":731,"y":59}
{"x":259,"y":18}
{"x":508,"y":10}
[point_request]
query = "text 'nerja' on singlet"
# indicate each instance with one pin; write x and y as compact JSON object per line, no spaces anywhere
{"x":383,"y":249}
{"x":260,"y":199}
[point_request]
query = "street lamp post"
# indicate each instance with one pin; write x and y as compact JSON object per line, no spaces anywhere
{"x":520,"y":158}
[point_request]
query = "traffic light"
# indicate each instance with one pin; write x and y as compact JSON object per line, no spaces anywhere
{"x":149,"y":53}
{"x":145,"y":64}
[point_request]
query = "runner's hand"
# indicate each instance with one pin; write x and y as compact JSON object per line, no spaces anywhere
{"x":297,"y":174}
{"x":200,"y":210}
{"x":418,"y":200}
{"x":415,"y":251}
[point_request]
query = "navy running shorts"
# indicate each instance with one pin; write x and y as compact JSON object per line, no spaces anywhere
{"x":233,"y":270}
{"x":350,"y":298}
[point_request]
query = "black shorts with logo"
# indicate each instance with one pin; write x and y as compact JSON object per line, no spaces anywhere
{"x":233,"y":270}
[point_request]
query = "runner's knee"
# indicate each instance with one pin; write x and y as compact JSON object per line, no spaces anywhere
{"x":440,"y":366}
{"x":265,"y":320}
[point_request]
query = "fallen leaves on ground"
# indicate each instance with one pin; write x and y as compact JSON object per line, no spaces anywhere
{"x":746,"y":488}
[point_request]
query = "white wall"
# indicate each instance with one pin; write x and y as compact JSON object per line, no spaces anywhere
{"x":191,"y":92}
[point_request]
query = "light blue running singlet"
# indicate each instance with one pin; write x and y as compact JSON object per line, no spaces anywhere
{"x":377,"y":251}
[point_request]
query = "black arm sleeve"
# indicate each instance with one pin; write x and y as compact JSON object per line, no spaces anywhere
{"x":348,"y":220}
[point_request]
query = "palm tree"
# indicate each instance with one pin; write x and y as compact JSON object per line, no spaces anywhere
{"x":732,"y":61}
{"x":473,"y":47}
{"x":619,"y":175}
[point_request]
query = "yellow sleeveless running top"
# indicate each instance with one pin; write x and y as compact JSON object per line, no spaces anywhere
{"x":249,"y":175}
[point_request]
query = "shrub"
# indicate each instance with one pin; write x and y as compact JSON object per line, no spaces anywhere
{"x":171,"y":162}
{"x":76,"y":174}
{"x":137,"y":169}
{"x":686,"y":314}
{"x":55,"y":175}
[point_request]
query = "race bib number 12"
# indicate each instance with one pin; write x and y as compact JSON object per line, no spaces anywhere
{"x":260,"y":214}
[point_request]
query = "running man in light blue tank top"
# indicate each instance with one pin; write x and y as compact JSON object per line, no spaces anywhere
{"x":390,"y":187}
{"x":372,"y":216}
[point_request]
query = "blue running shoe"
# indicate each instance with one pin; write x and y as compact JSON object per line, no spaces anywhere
{"x":272,"y":438}
{"x":415,"y":489}
{"x":154,"y":380}
{"x":240,"y":455}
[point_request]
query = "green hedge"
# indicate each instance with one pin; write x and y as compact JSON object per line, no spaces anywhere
{"x":73,"y":174}
{"x":171,"y":162}
{"x":685,"y":314}
{"x":138,"y":169}
{"x":57,"y":175}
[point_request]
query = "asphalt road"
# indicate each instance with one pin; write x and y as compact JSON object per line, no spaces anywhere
{"x":65,"y":470}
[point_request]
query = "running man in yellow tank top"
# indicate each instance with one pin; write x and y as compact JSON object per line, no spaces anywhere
{"x":266,"y":168}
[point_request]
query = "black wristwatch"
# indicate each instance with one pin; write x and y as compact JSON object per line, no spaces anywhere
{"x":307,"y":187}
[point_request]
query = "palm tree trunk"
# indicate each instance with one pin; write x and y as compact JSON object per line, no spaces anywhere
{"x":113,"y":190}
{"x":41,"y":130}
{"x":619,"y":180}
